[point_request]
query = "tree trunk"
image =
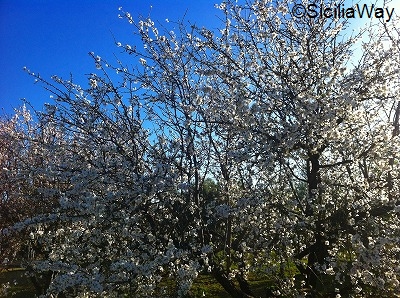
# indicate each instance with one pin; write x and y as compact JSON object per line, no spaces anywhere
{"x":228,"y":285}
{"x":318,"y":251}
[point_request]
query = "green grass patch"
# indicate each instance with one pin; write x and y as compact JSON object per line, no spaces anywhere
{"x":18,"y":284}
{"x":204,"y":286}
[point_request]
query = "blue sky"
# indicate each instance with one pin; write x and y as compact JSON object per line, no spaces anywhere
{"x":55,"y":37}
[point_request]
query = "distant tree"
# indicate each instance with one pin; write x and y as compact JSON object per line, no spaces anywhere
{"x":27,"y":192}
{"x":258,"y":149}
{"x":10,"y":206}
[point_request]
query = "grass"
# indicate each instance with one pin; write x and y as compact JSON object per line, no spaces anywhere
{"x":21,"y":287}
{"x":204,"y":286}
{"x":19,"y":284}
{"x":209,"y":286}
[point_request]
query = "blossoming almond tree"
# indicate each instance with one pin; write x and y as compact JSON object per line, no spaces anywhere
{"x":11,"y":204}
{"x":312,"y":120}
{"x":301,"y":146}
{"x":292,"y":113}
{"x":108,"y":234}
{"x":26,"y":192}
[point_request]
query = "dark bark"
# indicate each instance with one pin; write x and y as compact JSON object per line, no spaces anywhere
{"x":396,"y":131}
{"x":244,"y":285}
{"x":228,"y":285}
{"x":318,"y":251}
{"x":36,"y":284}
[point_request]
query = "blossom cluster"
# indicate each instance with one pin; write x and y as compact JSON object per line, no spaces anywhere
{"x":255,"y":149}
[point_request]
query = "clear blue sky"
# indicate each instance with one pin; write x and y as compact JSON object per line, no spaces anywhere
{"x":55,"y":37}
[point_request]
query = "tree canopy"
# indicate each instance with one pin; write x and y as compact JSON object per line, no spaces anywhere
{"x":265,"y":148}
